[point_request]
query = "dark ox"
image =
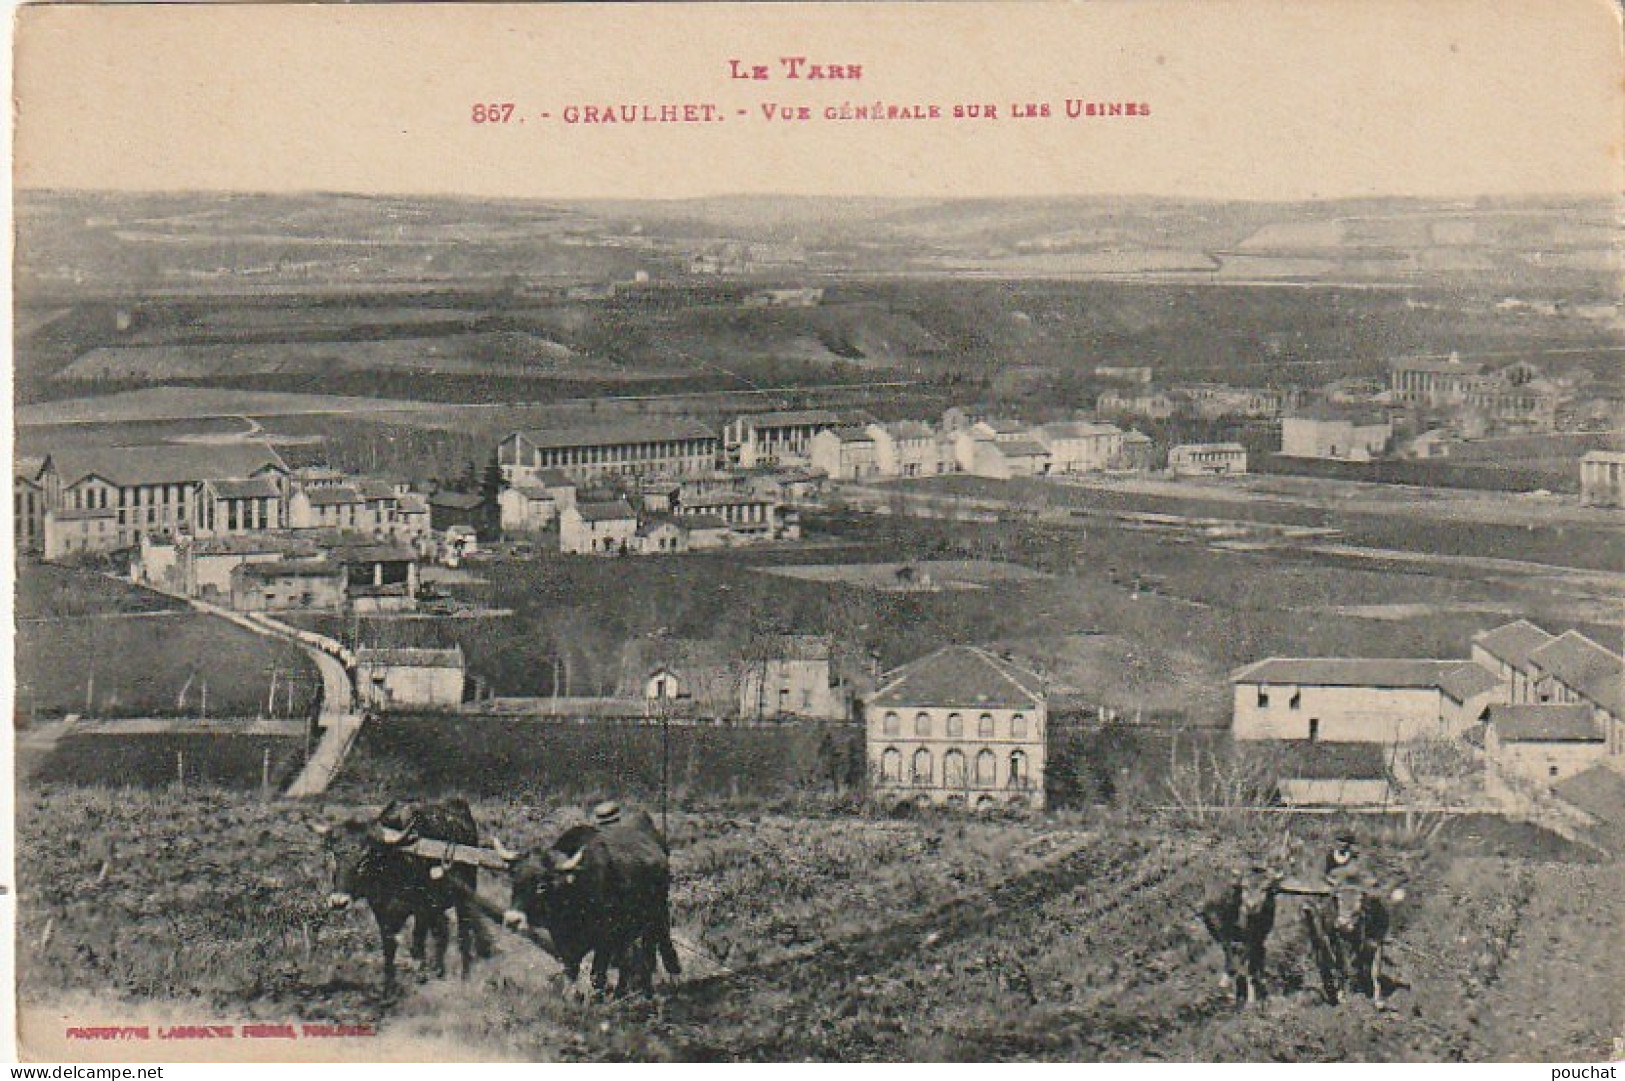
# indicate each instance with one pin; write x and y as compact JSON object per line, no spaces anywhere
{"x":1240,"y":919}
{"x":1346,"y":930}
{"x":603,"y":891}
{"x":369,"y":864}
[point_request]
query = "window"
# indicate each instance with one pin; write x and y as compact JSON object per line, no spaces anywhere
{"x":922,"y":766}
{"x":953,"y":769}
{"x":891,"y":765}
{"x":1551,"y":771}
{"x":1018,"y":769}
{"x":1263,"y":698}
{"x":984,"y":726}
{"x":891,"y":726}
{"x":922,"y":723}
{"x":1314,"y":729}
{"x":1296,"y":700}
{"x":1018,"y":726}
{"x":987,"y":765}
{"x":956,"y":725}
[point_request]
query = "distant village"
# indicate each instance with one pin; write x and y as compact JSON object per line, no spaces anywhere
{"x":233,"y":525}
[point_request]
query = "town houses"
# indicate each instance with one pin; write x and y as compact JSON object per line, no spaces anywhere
{"x":625,"y":448}
{"x":960,"y":726}
{"x":1539,"y":709}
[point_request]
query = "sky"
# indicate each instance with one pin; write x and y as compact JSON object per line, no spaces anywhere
{"x":1248,"y":99}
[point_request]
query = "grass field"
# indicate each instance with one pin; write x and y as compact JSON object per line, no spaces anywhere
{"x":842,"y":938}
{"x":927,"y":574}
{"x":90,"y":645}
{"x":495,"y":354}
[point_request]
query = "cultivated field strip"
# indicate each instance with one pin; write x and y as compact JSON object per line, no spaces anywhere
{"x":865,"y":990}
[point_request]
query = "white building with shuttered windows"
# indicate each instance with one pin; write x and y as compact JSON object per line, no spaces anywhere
{"x":960,"y":726}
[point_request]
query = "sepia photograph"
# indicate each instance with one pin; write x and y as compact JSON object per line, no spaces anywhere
{"x":889,"y":532}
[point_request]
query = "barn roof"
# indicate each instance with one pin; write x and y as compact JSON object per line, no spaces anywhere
{"x":167,"y":463}
{"x":1393,"y":673}
{"x":336,"y":496}
{"x":373,"y":553}
{"x":1579,"y":663}
{"x":1466,"y":680}
{"x":961,"y":676}
{"x":1599,"y":792}
{"x":1512,"y":643}
{"x":613,"y":510}
{"x":1546,"y":722}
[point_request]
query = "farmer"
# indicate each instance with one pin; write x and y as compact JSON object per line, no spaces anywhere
{"x":1343,"y":863}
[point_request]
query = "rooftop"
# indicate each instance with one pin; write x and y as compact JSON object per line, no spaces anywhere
{"x":1395,"y":673}
{"x":1615,"y":456}
{"x":290,"y":568}
{"x":375,"y":488}
{"x":167,"y":463}
{"x":1547,"y":722}
{"x":373,"y":553}
{"x":248,"y":544}
{"x":336,"y":496}
{"x":1512,"y":643}
{"x":609,"y":511}
{"x":410,"y":658}
{"x":1585,"y":667}
{"x":257,"y":488}
{"x":961,"y":676}
{"x":1210,"y":448}
{"x":1599,"y":792}
{"x":1077,"y":429}
{"x":790,"y":418}
{"x":1467,"y":680}
{"x":1023,"y":448}
{"x":615,"y":433}
{"x":853,"y":435}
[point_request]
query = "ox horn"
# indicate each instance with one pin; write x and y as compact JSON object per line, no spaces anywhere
{"x":505,"y":854}
{"x":573,"y":862}
{"x":391,"y":836}
{"x":320,"y":829}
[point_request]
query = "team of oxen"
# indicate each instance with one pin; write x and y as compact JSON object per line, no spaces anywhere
{"x":600,"y":889}
{"x":603,"y":889}
{"x":1345,"y":925}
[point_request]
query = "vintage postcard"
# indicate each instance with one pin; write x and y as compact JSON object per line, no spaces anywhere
{"x":895,"y":532}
